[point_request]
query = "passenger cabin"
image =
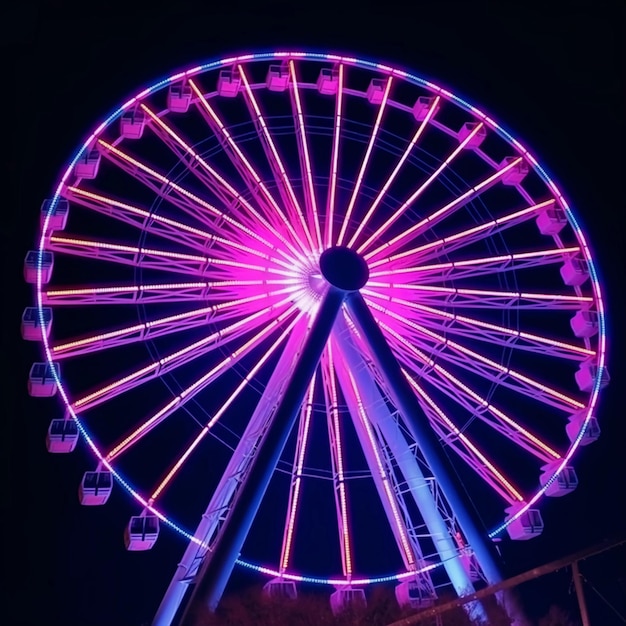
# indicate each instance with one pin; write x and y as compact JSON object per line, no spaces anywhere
{"x":584,"y":323}
{"x":415,"y":594}
{"x":132,"y":123}
{"x":179,"y":98}
{"x":528,"y":525}
{"x":141,"y":532}
{"x":95,"y":488}
{"x":574,"y":272}
{"x":563,"y":484}
{"x":57,"y":214}
{"x":34,"y":261}
{"x":422,"y":106}
{"x":588,"y":373}
{"x":376,"y":91}
{"x":88,"y":164}
{"x":516,"y":174}
{"x":42,"y":379}
{"x":575,"y":426}
{"x":34,"y":326}
{"x":467,"y":129}
{"x":328,"y":81}
{"x":347,"y":598}
{"x":62,"y":436}
{"x":551,"y":220}
{"x":228,"y":83}
{"x":277,"y":77}
{"x":278,"y":588}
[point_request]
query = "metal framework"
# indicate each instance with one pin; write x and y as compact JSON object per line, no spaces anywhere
{"x":318,"y":275}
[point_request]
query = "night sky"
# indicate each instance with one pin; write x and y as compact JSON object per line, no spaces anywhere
{"x":555,"y":78}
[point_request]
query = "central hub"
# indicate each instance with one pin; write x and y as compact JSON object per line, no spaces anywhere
{"x":344,"y":268}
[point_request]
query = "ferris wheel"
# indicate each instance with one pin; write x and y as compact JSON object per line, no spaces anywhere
{"x":323,"y":318}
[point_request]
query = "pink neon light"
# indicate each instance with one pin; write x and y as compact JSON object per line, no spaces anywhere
{"x":227,"y":361}
{"x":410,"y":559}
{"x":433,"y":216}
{"x":277,"y":159}
{"x":485,"y":260}
{"x":333,"y":419}
{"x":305,"y":151}
{"x":330,"y":209}
{"x":216,"y":175}
{"x":480,"y":292}
{"x":392,"y":176}
{"x":52,"y":293}
{"x":164,"y":320}
{"x":231,"y":142}
{"x":483,"y":359}
{"x":479,"y":323}
{"x":184,"y":192}
{"x":102,"y":245}
{"x":364,"y":163}
{"x":154,"y":366}
{"x":466,"y":233}
{"x":156,"y":419}
{"x":303,"y":440}
{"x":515,"y":494}
{"x":475,"y":396}
{"x":418,"y":192}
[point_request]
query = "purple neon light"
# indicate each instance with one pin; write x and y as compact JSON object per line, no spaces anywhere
{"x":348,"y":61}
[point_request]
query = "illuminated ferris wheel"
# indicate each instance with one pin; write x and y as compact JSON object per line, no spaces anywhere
{"x":322,"y":317}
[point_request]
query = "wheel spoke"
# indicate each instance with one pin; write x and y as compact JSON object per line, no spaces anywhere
{"x":449,"y":244}
{"x":271,"y":152}
{"x":146,"y":331}
{"x":208,"y":378}
{"x":435,"y":217}
{"x":302,"y":443}
{"x":305,"y":160}
{"x":178,"y":358}
{"x":364,"y":163}
{"x":337,"y":456}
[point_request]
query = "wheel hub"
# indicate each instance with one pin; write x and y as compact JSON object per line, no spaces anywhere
{"x":344,"y":268}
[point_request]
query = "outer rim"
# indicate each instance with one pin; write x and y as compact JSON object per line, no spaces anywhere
{"x":385,"y":70}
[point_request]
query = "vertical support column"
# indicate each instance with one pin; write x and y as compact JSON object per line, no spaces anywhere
{"x":407,"y":403}
{"x":580,"y":594}
{"x":218,"y":564}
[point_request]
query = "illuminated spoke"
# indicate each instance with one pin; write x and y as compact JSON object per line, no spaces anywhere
{"x":159,"y":293}
{"x":211,"y":178}
{"x":368,"y":152}
{"x":177,"y":195}
{"x":157,"y":259}
{"x":490,"y":370}
{"x":469,"y":452}
{"x":492,"y":333}
{"x":477,"y":298}
{"x":435,"y":217}
{"x":302,"y":442}
{"x":255,"y":184}
{"x":176,"y":359}
{"x":449,"y":244}
{"x":418,"y":133}
{"x":160,"y":327}
{"x":471,"y":268}
{"x":271,"y":152}
{"x":205,"y":380}
{"x":337,"y":455}
{"x":305,"y":159}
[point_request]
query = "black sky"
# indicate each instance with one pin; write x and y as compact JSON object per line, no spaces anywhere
{"x":551,"y":72}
